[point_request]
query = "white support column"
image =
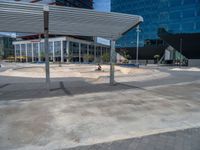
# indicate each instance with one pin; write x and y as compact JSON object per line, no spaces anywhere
{"x":39,"y":52}
{"x":112,"y":63}
{"x":181,"y":45}
{"x":53,"y":51}
{"x":67,"y":50}
{"x":20,"y":47}
{"x":137,"y":48}
{"x":32,"y":52}
{"x":61,"y":52}
{"x":26,"y":52}
{"x":79,"y":48}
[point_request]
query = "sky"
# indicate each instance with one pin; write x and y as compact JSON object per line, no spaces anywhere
{"x":102,"y":5}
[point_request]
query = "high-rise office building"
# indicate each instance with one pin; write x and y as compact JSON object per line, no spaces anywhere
{"x":179,"y":18}
{"x":176,"y":16}
{"x":71,"y":3}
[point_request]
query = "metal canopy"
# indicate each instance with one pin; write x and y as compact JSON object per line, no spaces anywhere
{"x":28,"y":18}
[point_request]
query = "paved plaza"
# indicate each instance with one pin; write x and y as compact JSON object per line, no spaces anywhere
{"x":155,"y":108}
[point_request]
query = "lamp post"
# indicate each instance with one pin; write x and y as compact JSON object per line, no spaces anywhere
{"x":39,"y":48}
{"x":181,"y":44}
{"x":137,"y":49}
{"x":112,"y":62}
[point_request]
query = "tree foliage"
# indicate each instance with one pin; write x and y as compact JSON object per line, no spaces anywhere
{"x":106,"y":57}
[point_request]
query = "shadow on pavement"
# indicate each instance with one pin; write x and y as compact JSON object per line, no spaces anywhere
{"x":74,"y":86}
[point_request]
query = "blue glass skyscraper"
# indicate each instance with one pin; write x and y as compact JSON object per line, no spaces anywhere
{"x":176,"y":16}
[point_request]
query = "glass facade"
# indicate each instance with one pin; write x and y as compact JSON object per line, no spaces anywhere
{"x":60,"y":50}
{"x":35,"y":51}
{"x":51,"y":50}
{"x":29,"y":50}
{"x":6,"y":47}
{"x":23,"y":49}
{"x":176,"y":16}
{"x":76,"y":3}
{"x":17,"y":49}
{"x":71,"y":3}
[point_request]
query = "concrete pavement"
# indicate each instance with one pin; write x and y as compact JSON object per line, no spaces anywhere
{"x":148,"y":115}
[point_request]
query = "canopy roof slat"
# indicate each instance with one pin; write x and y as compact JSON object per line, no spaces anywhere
{"x":28,"y":18}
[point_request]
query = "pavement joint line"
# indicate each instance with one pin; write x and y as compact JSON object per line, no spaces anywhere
{"x":160,"y":86}
{"x":173,"y":84}
{"x":4,"y":85}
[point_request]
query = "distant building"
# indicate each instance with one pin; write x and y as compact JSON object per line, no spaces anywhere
{"x":179,"y":19}
{"x":6,"y":47}
{"x":61,"y":49}
{"x":71,"y":3}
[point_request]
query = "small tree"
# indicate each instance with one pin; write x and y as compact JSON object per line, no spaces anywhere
{"x":126,"y":55}
{"x":86,"y":57}
{"x":90,"y":58}
{"x":157,"y":57}
{"x":70,"y":57}
{"x":1,"y":52}
{"x":42,"y":55}
{"x":106,"y":57}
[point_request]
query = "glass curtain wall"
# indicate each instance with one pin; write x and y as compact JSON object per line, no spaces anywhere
{"x":50,"y":51}
{"x":84,"y":54}
{"x":23,"y":52}
{"x":176,"y":16}
{"x":91,"y":53}
{"x":17,"y":50}
{"x":98,"y":54}
{"x":57,"y":49}
{"x":74,"y":48}
{"x":88,"y":52}
{"x":42,"y":51}
{"x":35,"y":50}
{"x":29,"y":52}
{"x":64,"y":51}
